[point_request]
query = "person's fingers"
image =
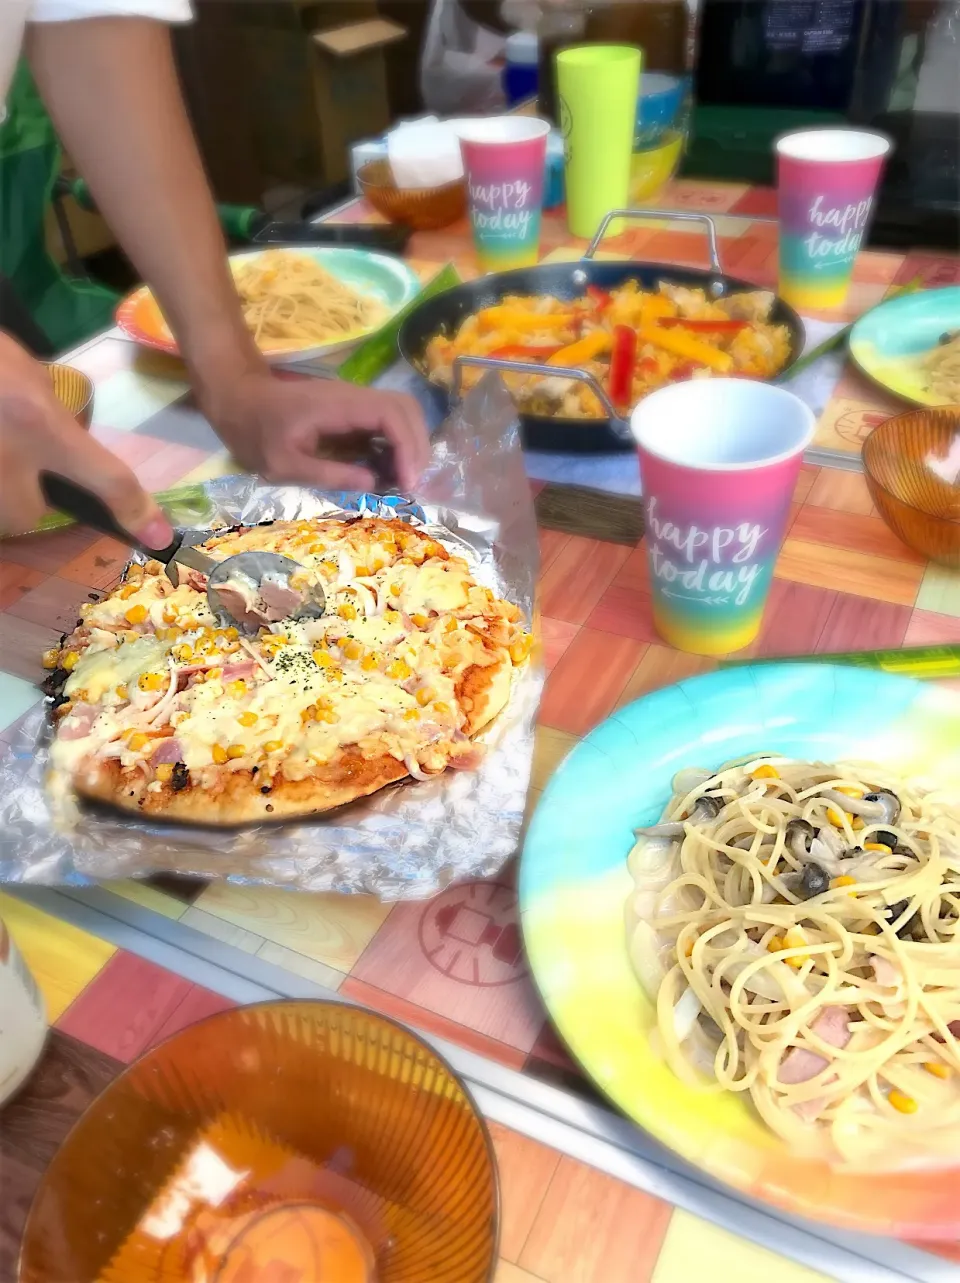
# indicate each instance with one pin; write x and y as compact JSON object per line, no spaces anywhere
{"x":402,"y":424}
{"x":91,"y":465}
{"x":325,"y":474}
{"x":21,"y":503}
{"x":420,"y":438}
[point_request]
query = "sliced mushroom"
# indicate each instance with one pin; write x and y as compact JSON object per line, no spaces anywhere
{"x":667,"y":829}
{"x":831,"y":840}
{"x":690,"y":778}
{"x":814,"y":880}
{"x":912,"y":927}
{"x":882,"y":805}
{"x":823,"y":854}
{"x":885,"y":838}
{"x":799,"y":837}
{"x":704,"y":809}
{"x":889,"y":804}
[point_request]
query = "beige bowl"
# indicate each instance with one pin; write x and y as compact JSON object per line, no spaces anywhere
{"x":74,"y":391}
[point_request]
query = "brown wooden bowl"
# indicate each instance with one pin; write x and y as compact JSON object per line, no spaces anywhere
{"x":425,"y":209}
{"x":74,"y":391}
{"x":342,"y":1135}
{"x":912,"y":464}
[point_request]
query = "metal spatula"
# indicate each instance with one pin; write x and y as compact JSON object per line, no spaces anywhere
{"x":249,"y":568}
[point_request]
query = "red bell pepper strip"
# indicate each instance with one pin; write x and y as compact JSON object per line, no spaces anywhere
{"x":517,"y":352}
{"x":704,"y":327}
{"x":600,"y":297}
{"x":622,"y":357}
{"x":683,"y":372}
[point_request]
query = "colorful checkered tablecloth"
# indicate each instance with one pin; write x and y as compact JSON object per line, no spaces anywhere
{"x":454,"y":967}
{"x":561,"y":1220}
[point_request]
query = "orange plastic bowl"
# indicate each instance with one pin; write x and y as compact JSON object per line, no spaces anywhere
{"x":308,"y":1140}
{"x":912,"y":464}
{"x":425,"y":209}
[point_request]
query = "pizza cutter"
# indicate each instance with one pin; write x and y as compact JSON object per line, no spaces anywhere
{"x":253,"y":577}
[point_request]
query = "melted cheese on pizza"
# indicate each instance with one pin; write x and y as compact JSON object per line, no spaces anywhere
{"x":155,"y":682}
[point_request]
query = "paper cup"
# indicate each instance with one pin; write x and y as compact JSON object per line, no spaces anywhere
{"x":598,"y":86}
{"x":504,"y":158}
{"x":719,"y":460}
{"x":825,"y":186}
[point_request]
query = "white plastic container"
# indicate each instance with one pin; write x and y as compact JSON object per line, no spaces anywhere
{"x":23,"y":1018}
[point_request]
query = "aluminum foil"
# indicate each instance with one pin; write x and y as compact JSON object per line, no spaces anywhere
{"x":410,"y":840}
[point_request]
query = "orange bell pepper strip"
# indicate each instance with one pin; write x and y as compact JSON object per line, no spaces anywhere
{"x":684,"y":345}
{"x":584,"y":349}
{"x":704,"y":327}
{"x":517,"y":352}
{"x":504,"y":317}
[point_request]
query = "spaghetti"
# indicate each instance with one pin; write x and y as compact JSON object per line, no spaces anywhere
{"x":797,"y":926}
{"x":942,"y":370}
{"x":290,"y":301}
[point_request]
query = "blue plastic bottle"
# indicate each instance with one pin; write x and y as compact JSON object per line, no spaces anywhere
{"x":520,"y":76}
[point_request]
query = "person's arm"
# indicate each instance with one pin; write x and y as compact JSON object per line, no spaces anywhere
{"x":111,"y":88}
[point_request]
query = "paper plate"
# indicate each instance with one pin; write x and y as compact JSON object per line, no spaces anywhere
{"x":382,"y":277}
{"x":574,"y":885}
{"x":889,"y":343}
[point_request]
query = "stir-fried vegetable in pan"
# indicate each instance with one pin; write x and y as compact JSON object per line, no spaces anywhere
{"x":633,"y":341}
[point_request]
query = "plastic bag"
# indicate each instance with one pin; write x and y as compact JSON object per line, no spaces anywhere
{"x":456,"y":72}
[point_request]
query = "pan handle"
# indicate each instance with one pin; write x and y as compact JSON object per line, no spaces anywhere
{"x":679,"y":215}
{"x":544,"y":371}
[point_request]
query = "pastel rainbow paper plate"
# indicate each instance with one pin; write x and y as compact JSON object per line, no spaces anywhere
{"x":380,"y":276}
{"x":574,"y":884}
{"x":889,"y":343}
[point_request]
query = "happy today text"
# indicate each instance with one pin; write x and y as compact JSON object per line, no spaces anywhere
{"x":712,"y":559}
{"x":845,"y":223}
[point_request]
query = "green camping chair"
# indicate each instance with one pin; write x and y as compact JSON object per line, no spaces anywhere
{"x":42,"y":306}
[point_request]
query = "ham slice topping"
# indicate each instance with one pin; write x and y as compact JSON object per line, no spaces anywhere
{"x":280,"y":599}
{"x":258,"y":605}
{"x":77,"y":725}
{"x":167,"y":750}
{"x":885,"y":972}
{"x":799,"y":1065}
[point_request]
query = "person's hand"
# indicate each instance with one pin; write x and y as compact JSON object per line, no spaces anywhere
{"x":37,"y":434}
{"x":279,"y":428}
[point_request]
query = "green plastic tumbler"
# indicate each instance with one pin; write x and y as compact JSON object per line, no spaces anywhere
{"x":598,"y":87}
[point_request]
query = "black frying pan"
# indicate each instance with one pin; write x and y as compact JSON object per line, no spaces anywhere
{"x":445,"y":312}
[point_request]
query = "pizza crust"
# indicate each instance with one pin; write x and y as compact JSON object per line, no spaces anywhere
{"x":242,"y":799}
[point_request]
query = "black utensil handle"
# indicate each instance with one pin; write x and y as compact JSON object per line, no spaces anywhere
{"x":90,"y":510}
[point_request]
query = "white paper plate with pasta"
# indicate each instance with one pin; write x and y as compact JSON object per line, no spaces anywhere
{"x":299,"y":303}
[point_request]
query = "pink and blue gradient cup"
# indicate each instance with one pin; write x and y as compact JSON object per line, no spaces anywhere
{"x":504,"y":159}
{"x":826,"y":179}
{"x":719,"y":461}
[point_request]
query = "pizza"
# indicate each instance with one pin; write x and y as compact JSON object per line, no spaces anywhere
{"x":162,"y":711}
